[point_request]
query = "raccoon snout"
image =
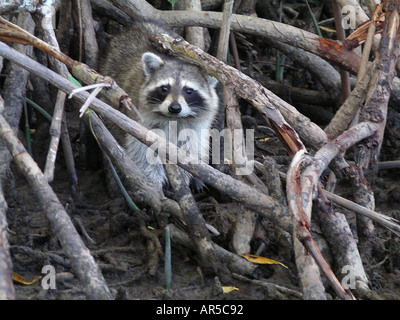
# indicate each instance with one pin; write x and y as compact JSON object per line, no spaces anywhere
{"x":175,"y":107}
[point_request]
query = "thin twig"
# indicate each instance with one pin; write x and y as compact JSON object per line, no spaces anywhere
{"x":341,"y":36}
{"x":168,"y":260}
{"x":55,"y":132}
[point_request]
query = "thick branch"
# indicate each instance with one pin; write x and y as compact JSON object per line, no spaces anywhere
{"x":82,"y":262}
{"x":375,"y":108}
{"x":268,"y":104}
{"x":333,"y":51}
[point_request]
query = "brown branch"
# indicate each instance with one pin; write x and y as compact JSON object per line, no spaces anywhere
{"x":237,"y":190}
{"x":333,"y":51}
{"x":302,"y":225}
{"x":55,"y":132}
{"x":234,"y":262}
{"x":11,"y":32}
{"x":89,"y":44}
{"x":344,"y":247}
{"x":144,"y":191}
{"x":223,"y":43}
{"x":194,"y":35}
{"x":245,"y":220}
{"x":195,"y":223}
{"x":340,"y":34}
{"x":262,"y":99}
{"x":343,"y":117}
{"x":301,"y":211}
{"x":385,"y":221}
{"x":375,"y":108}
{"x":7,"y":291}
{"x":58,"y":129}
{"x":301,"y":188}
{"x":81,"y":71}
{"x":308,"y":270}
{"x":82,"y":262}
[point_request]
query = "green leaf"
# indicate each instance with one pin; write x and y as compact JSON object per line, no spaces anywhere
{"x":74,"y":81}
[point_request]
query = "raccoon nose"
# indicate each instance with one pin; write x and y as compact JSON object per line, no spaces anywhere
{"x":175,"y":107}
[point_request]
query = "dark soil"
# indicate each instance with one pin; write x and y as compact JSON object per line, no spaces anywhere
{"x":121,"y":250}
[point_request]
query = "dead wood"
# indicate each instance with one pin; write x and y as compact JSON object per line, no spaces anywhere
{"x":269,"y":105}
{"x":15,"y":88}
{"x":340,"y":35}
{"x":350,"y":107}
{"x":7,"y":291}
{"x":232,"y":261}
{"x":82,"y":262}
{"x":300,"y":205}
{"x":12,"y":107}
{"x":223,"y":43}
{"x":375,"y":111}
{"x":195,"y":35}
{"x":82,"y":14}
{"x":317,"y":66}
{"x":58,"y":128}
{"x":244,"y":230}
{"x":195,"y":223}
{"x":385,"y":221}
{"x":19,"y":6}
{"x":84,"y":73}
{"x":344,"y":246}
{"x":301,"y":188}
{"x":375,"y":108}
{"x":333,"y":51}
{"x":292,"y":128}
{"x":289,"y":137}
{"x":235,"y":189}
{"x":55,"y":132}
{"x":144,"y":191}
{"x":246,"y":219}
{"x":364,"y":196}
{"x":274,"y":291}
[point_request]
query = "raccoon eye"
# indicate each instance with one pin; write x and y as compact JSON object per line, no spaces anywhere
{"x":164,"y":89}
{"x":189,"y":90}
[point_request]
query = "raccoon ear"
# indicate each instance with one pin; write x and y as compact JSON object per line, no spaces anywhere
{"x":212,"y":81}
{"x":151,"y":62}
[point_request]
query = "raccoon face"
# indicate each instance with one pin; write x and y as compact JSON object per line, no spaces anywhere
{"x":176,"y":89}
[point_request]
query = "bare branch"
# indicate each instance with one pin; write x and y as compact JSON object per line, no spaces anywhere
{"x":82,"y":262}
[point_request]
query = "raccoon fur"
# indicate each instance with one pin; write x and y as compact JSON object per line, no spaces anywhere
{"x":168,"y":92}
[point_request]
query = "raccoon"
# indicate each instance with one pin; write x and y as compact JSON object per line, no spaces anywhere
{"x":169,"y":93}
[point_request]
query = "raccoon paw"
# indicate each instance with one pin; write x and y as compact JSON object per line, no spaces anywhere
{"x":197,"y":185}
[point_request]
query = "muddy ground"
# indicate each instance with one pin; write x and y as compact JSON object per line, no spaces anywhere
{"x":121,"y":250}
